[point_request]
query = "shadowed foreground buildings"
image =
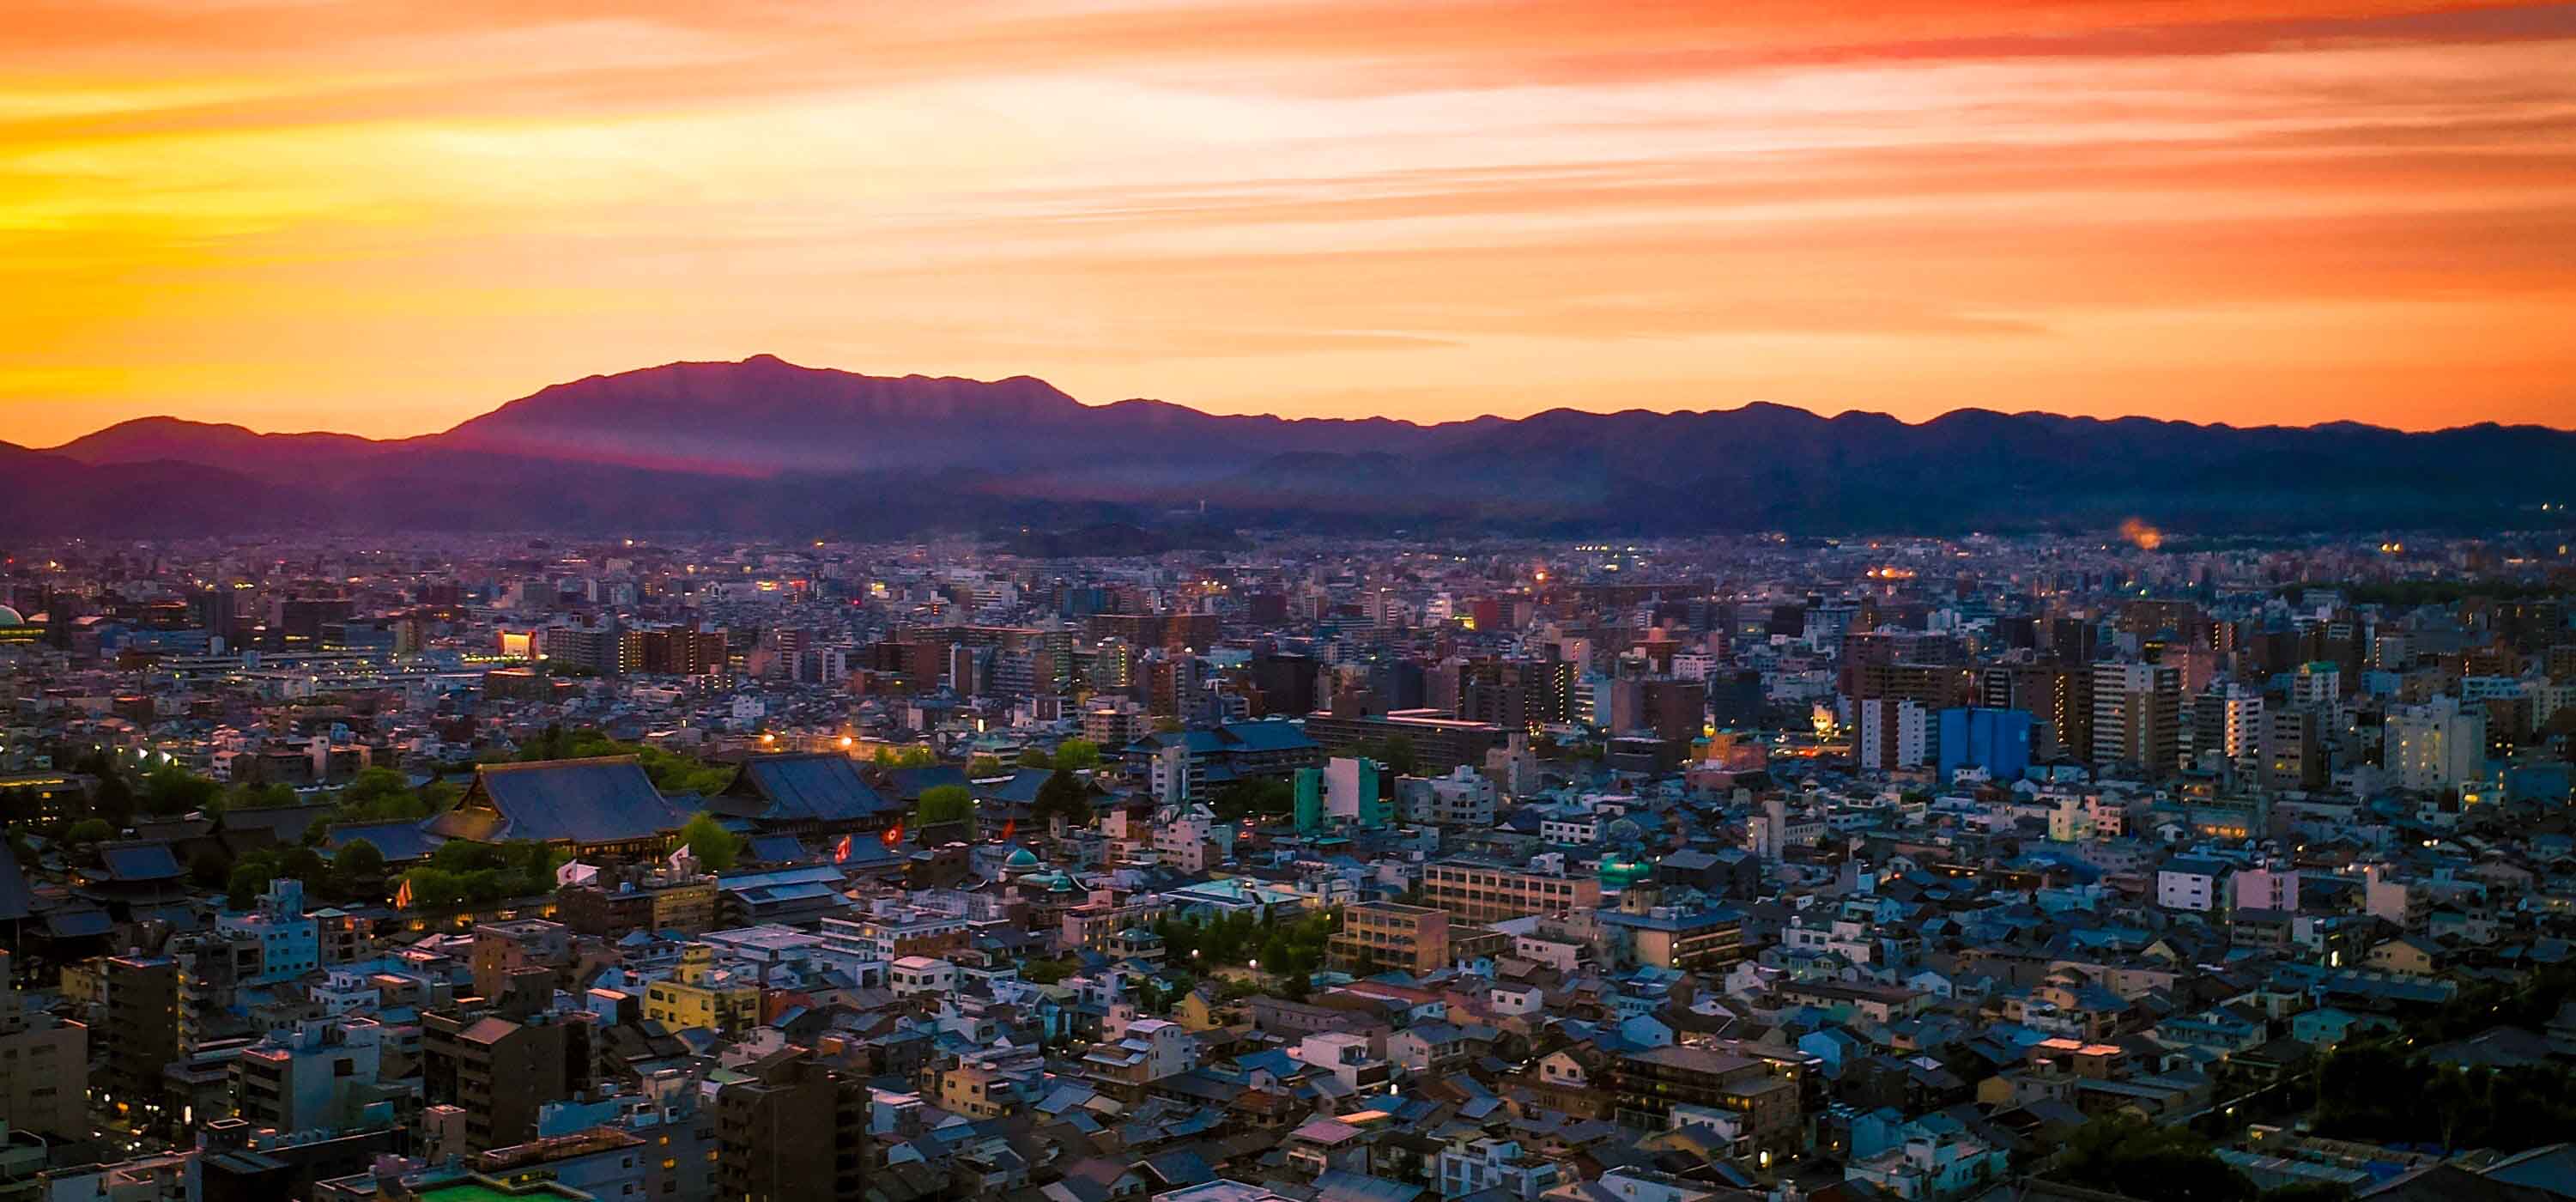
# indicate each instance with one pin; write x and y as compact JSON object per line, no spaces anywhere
{"x":791,"y":1128}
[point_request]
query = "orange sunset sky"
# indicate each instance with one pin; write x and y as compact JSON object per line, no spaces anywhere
{"x":386,"y":217}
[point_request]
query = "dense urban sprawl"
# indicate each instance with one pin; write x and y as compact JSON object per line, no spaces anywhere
{"x":683,"y":870}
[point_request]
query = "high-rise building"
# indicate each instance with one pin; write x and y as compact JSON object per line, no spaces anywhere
{"x":601,"y":650}
{"x":2241,"y":726}
{"x":2059,"y":696}
{"x":1351,"y":791}
{"x":44,"y":1066}
{"x":1890,"y":733}
{"x":141,"y":1036}
{"x":2435,"y":746}
{"x":1516,"y":694}
{"x":498,"y":1071}
{"x":211,"y":610}
{"x":1286,"y":682}
{"x":676,"y":650}
{"x":1669,"y":708}
{"x":791,"y":1129}
{"x":2294,"y":757}
{"x":2137,"y":716}
{"x":1996,"y":740}
{"x":315,"y":1074}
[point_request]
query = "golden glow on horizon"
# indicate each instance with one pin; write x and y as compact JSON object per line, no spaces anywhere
{"x":385,"y":217}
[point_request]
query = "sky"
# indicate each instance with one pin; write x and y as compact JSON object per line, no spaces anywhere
{"x":384,"y":218}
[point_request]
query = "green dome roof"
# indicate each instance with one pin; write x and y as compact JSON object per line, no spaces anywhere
{"x":1021,"y":857}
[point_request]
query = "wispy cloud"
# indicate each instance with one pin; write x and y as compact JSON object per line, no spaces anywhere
{"x":386,"y":216}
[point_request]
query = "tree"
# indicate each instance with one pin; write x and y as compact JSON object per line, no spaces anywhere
{"x":483,"y":872}
{"x":248,"y":795}
{"x":303,"y":864}
{"x":90,"y":830}
{"x":1046,"y":972}
{"x":1394,"y":751}
{"x":1253,"y":797}
{"x":358,"y":871}
{"x":171,"y":789}
{"x":945,"y":803}
{"x":209,"y":868}
{"x":114,"y":801}
{"x":1075,"y":755}
{"x":670,"y":771}
{"x":983,"y":767}
{"x":1062,"y":795}
{"x":434,"y":888}
{"x":915,"y":755}
{"x":2128,"y":1155}
{"x":714,"y":847}
{"x":380,"y":794}
{"x":249,"y":880}
{"x":1036,"y":757}
{"x":1400,"y":759}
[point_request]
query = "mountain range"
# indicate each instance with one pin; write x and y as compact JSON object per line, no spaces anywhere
{"x":763,"y":446}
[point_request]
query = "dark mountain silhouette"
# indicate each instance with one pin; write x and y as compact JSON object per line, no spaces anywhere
{"x":765,"y":446}
{"x":146,"y":439}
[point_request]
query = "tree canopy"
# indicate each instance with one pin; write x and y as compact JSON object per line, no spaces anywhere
{"x":2128,"y":1155}
{"x":914,"y":755}
{"x":461,"y":871}
{"x":1074,"y":755}
{"x":670,"y":771}
{"x":945,"y":803}
{"x":171,"y":789}
{"x":90,"y":830}
{"x":1062,"y":795}
{"x":714,"y":847}
{"x":358,"y":871}
{"x":1252,"y":797}
{"x":1394,"y":751}
{"x":1288,"y":948}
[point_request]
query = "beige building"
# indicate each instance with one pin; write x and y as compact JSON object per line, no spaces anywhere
{"x":1481,"y":891}
{"x":1379,"y":936}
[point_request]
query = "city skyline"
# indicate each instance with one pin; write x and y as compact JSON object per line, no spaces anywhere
{"x":383,"y":221}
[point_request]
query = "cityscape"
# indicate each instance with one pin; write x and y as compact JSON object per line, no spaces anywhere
{"x":1287,"y":601}
{"x":1310,"y":868}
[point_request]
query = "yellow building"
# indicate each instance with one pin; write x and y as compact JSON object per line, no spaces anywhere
{"x":698,"y":996}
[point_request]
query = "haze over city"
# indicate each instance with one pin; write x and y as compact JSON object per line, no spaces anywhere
{"x":386,"y":218}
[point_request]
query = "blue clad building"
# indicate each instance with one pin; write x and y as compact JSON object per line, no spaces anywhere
{"x":1995,"y":740}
